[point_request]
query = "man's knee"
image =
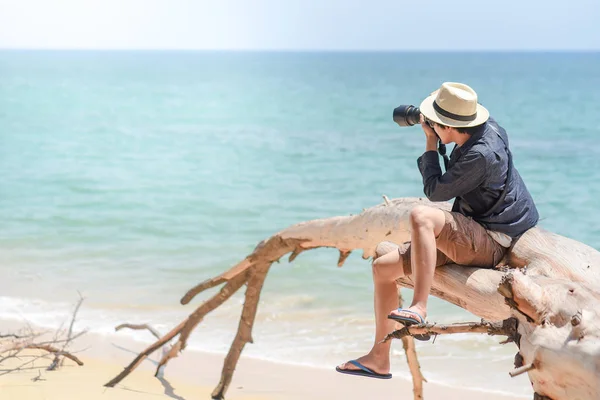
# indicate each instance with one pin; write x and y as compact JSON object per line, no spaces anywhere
{"x":391,"y":261}
{"x":430,"y":218}
{"x":386,"y":270}
{"x":421,"y":217}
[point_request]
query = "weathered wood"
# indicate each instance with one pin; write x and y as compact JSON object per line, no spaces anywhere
{"x":507,"y":327}
{"x":244,"y":333}
{"x":139,"y":327}
{"x":11,"y":346}
{"x":408,"y":343}
{"x":556,"y":303}
{"x":522,"y":370}
{"x":560,"y":333}
{"x":50,"y":349}
{"x":227,"y":291}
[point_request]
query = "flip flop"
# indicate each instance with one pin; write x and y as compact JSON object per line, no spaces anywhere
{"x":363,"y":371}
{"x":409,"y":321}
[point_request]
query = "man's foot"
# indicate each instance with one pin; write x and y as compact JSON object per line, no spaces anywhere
{"x":414,"y":315}
{"x":380,"y":367}
{"x":415,"y":312}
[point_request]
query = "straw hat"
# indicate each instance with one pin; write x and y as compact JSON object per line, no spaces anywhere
{"x":454,"y":104}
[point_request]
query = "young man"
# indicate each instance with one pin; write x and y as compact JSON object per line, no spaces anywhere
{"x":492,"y":207}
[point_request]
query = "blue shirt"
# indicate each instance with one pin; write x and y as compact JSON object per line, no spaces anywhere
{"x":476,"y":177}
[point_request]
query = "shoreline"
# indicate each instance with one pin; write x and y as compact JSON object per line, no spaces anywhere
{"x":194,"y":374}
{"x":478,"y":362}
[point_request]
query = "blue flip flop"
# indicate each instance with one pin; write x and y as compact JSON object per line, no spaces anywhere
{"x":363,"y":371}
{"x":409,"y":321}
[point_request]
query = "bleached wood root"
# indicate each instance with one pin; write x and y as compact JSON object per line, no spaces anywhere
{"x":11,"y":345}
{"x":165,"y":349}
{"x":538,"y":300}
{"x":139,"y":327}
{"x":53,"y":350}
{"x":559,"y":330}
{"x":408,"y":344}
{"x":244,"y":333}
{"x":188,"y":324}
{"x":507,"y":327}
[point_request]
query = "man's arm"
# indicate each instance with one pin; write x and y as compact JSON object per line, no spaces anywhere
{"x":465,"y":175}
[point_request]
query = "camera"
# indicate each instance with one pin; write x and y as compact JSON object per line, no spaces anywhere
{"x":407,"y":115}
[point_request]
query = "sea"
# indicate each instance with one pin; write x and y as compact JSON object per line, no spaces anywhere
{"x":127,"y":177}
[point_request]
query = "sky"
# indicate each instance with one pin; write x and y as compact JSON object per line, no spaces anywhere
{"x":301,"y":24}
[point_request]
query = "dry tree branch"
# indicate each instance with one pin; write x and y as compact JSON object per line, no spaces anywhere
{"x":68,"y":340}
{"x":56,"y":351}
{"x":20,"y":342}
{"x":507,"y":327}
{"x":13,"y":336}
{"x":155,"y":333}
{"x":139,"y":327}
{"x":50,"y":349}
{"x":187,"y":324}
{"x":408,"y":343}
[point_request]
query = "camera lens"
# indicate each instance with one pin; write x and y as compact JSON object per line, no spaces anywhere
{"x":407,"y":115}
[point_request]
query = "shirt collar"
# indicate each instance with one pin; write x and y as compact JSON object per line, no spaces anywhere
{"x":469,"y":143}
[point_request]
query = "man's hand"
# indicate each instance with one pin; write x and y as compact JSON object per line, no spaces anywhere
{"x":432,"y":138}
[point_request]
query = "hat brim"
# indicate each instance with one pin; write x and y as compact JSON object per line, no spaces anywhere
{"x":430,"y":113}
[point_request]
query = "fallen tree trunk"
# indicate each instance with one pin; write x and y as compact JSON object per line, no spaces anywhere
{"x":556,"y":303}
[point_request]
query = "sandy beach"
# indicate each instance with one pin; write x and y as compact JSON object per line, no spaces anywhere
{"x":193,"y":375}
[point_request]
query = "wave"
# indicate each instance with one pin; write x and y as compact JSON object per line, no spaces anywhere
{"x":314,"y":338}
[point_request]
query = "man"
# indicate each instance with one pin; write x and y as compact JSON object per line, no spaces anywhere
{"x":492,"y":207}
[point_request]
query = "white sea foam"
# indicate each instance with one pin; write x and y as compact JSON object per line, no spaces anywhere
{"x":292,"y":337}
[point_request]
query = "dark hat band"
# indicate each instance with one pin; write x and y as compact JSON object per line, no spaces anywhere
{"x":457,"y":117}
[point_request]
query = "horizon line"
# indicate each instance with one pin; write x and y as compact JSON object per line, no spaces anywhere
{"x":303,"y":50}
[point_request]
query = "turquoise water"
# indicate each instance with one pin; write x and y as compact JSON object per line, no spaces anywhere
{"x":132,"y":176}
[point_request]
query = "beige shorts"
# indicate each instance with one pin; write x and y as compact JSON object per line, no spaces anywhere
{"x":462,"y":241}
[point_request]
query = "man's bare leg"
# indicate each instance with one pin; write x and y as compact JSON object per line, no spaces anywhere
{"x":386,"y":269}
{"x":426,"y":223}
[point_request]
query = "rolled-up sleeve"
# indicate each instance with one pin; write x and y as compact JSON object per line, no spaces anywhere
{"x":466,"y":174}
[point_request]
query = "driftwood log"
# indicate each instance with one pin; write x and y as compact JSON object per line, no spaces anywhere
{"x":545,"y":297}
